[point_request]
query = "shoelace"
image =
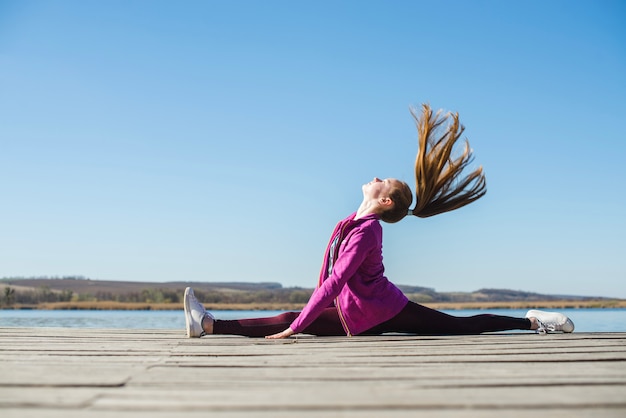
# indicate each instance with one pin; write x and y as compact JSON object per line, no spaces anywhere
{"x":202,"y":334}
{"x":544,"y":328}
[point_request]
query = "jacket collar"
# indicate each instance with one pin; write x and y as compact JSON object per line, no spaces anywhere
{"x":373,"y":216}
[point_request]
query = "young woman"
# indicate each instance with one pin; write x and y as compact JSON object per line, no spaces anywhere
{"x":353,"y":297}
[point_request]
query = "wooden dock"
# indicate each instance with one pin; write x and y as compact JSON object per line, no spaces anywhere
{"x":70,"y":372}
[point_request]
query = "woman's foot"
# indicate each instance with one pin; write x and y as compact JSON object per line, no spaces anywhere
{"x":544,"y":322}
{"x":197,"y":320}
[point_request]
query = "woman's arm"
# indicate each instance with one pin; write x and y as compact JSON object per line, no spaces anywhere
{"x":348,"y":261}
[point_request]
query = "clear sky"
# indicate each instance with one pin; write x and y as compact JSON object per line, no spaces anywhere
{"x":222,"y":140}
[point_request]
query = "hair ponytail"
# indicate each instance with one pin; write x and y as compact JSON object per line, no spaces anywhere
{"x":439,"y":186}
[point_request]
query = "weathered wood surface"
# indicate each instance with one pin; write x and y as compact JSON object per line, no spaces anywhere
{"x":69,"y":372}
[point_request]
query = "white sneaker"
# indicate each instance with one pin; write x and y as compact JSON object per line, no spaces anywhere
{"x":551,"y":321}
{"x":194,"y":314}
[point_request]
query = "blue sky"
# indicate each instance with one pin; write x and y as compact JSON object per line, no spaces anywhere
{"x":222,"y":141}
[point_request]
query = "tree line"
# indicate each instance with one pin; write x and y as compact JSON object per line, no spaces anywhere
{"x":44,"y":294}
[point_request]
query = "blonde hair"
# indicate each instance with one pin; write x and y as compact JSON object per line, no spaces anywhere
{"x":439,"y":184}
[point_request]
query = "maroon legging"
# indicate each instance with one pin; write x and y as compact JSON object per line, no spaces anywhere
{"x":413,"y":319}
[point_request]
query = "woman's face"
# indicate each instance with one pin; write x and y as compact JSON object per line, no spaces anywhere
{"x":378,"y":188}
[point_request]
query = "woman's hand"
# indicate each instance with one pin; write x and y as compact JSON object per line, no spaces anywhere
{"x":286,"y":333}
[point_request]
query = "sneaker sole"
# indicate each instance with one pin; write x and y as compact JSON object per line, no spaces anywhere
{"x":188,"y":319}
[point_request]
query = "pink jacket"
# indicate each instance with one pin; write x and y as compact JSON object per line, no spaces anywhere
{"x":363,"y":296}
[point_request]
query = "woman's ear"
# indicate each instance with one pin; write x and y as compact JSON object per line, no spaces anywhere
{"x":385,"y":201}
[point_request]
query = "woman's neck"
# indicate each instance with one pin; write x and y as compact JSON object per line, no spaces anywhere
{"x":367,"y":207}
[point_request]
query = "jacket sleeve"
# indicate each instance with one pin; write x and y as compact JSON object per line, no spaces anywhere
{"x":357,"y":247}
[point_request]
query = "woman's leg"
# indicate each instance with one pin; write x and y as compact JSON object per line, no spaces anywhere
{"x":327,"y":324}
{"x":418,"y":319}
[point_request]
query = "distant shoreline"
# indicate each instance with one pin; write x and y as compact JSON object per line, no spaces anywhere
{"x":76,"y":293}
{"x":130,"y":306}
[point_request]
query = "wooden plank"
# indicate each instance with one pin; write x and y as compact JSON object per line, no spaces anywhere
{"x":366,"y":413}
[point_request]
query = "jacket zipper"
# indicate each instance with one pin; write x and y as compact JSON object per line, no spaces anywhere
{"x":337,"y":304}
{"x":341,"y":318}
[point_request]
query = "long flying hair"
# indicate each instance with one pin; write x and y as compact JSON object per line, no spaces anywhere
{"x":440,"y":185}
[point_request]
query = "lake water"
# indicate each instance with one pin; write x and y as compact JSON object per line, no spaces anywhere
{"x":585,"y":320}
